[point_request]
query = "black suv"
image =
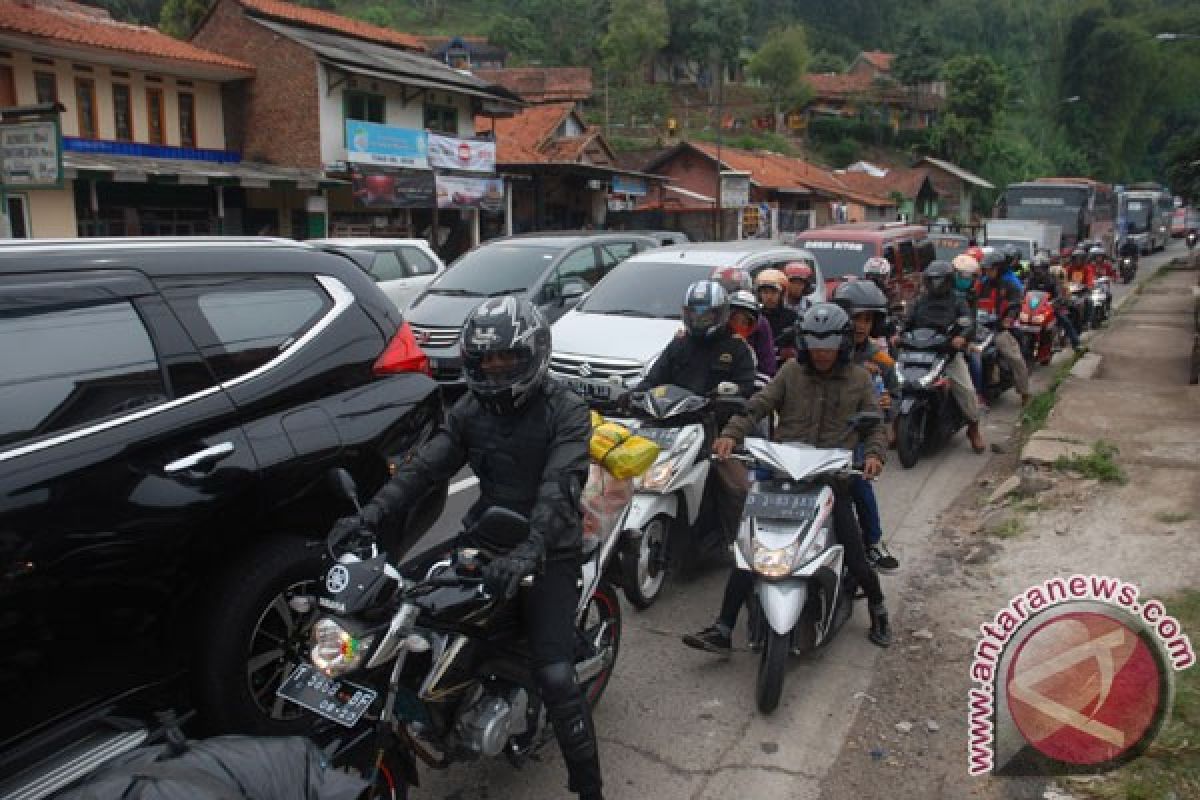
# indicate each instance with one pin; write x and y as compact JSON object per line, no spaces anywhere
{"x":169,"y":411}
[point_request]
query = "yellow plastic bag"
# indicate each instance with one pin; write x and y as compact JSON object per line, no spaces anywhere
{"x":597,"y":419}
{"x":604,"y":438}
{"x":631,"y":457}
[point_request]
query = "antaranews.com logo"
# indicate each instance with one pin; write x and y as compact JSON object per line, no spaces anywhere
{"x":1074,"y":675}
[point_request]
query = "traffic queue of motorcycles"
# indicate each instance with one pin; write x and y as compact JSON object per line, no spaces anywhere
{"x":417,"y":663}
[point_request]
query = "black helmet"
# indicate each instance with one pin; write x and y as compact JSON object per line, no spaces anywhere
{"x":825,"y":326}
{"x":1041,"y":262}
{"x":993,"y":259}
{"x":505,"y":325}
{"x":705,"y":309}
{"x":859,"y":297}
{"x":1010,"y":254}
{"x":938,"y":277}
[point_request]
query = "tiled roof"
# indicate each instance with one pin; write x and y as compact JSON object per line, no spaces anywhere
{"x":880,"y":60}
{"x":523,"y":138}
{"x":905,"y":181}
{"x":543,"y":84}
{"x":835,"y":83}
{"x":325,"y":20}
{"x":69,"y":23}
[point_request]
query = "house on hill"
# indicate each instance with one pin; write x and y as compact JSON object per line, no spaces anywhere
{"x":869,"y":91}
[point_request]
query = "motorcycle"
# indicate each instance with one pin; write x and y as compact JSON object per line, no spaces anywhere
{"x":1129,"y":268}
{"x":1079,"y":306}
{"x":803,"y":591}
{"x":1191,"y":239}
{"x":1100,"y":301}
{"x":668,"y":499}
{"x":928,"y":412}
{"x":997,"y":376}
{"x":427,"y":665}
{"x":1039,"y":325}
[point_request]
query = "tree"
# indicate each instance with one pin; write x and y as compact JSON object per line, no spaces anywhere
{"x":780,"y":65}
{"x":516,"y":35}
{"x":976,"y":88}
{"x":180,"y":17}
{"x":917,"y":60}
{"x":637,"y":29}
{"x":826,"y":61}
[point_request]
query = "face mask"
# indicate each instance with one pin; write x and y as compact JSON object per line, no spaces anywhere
{"x":741,"y":328}
{"x":963,"y":282}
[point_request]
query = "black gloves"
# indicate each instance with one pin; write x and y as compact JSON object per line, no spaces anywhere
{"x":624,"y":402}
{"x":502,"y":576}
{"x":351,"y":527}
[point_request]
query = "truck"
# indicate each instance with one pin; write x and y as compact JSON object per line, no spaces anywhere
{"x":1027,"y":235}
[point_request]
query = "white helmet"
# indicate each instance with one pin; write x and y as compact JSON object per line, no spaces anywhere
{"x":745,"y":300}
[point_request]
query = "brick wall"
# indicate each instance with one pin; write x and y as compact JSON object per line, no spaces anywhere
{"x":276,"y":117}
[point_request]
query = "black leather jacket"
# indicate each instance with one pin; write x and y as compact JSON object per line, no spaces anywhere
{"x":948,"y":313}
{"x":698,"y":365}
{"x":534,"y":462}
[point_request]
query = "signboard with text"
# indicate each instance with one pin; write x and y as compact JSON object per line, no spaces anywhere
{"x":468,"y":155}
{"x":398,"y":189}
{"x":384,"y":145}
{"x":735,"y":189}
{"x":622,"y":184}
{"x":459,"y":192}
{"x":31,"y":155}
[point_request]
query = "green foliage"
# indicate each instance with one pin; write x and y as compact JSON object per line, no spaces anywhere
{"x":378,"y":15}
{"x":976,"y":88}
{"x":180,"y":17}
{"x":1183,"y":166}
{"x":637,"y":29}
{"x":1172,"y":517}
{"x":826,"y":61}
{"x":142,"y":12}
{"x":758,"y":140}
{"x":780,"y":65}
{"x":639,"y":103}
{"x":917,"y":59}
{"x":702,"y":29}
{"x":1098,"y":464}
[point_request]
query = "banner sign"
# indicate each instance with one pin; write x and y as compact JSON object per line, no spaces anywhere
{"x":447,"y":152}
{"x":622,"y":184}
{"x":458,"y":192}
{"x":369,"y":143}
{"x":31,"y":154}
{"x":401,"y":189}
{"x":735,"y":189}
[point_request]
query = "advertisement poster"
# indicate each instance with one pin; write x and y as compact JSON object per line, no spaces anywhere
{"x":628,"y":185}
{"x":458,"y":192}
{"x":400,"y":189}
{"x":468,"y":155}
{"x":30,"y":154}
{"x":383,"y":145}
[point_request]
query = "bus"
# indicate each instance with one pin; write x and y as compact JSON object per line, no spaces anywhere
{"x":1086,"y":209}
{"x":1145,"y":217}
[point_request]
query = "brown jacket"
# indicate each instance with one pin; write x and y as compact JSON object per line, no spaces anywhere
{"x":813,"y":409}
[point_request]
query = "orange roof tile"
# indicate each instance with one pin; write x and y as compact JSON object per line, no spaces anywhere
{"x":526,"y":137}
{"x":880,"y":60}
{"x":832,"y":83}
{"x":542,"y":84}
{"x":313,"y":18}
{"x":89,"y":27}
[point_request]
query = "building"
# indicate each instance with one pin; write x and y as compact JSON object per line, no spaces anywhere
{"x":917,"y":199}
{"x":867,"y":90}
{"x":564,"y":174}
{"x":466,"y":52}
{"x":362,"y":105}
{"x":144,"y":150}
{"x":542,"y":85}
{"x":956,"y":187}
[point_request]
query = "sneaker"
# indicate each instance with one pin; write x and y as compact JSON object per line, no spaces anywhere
{"x":711,"y":640}
{"x":880,"y":633}
{"x":881,"y":559}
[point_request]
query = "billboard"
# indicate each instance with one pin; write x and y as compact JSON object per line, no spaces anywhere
{"x":384,"y":145}
{"x":468,"y":155}
{"x":454,"y":191}
{"x":392,"y":189}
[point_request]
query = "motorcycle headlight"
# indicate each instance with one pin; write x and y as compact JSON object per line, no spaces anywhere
{"x":774,"y":563}
{"x":899,"y":376}
{"x":336,"y":650}
{"x":659,"y":476}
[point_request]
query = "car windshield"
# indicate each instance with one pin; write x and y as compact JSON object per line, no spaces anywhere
{"x":641,"y":289}
{"x":838,"y":259}
{"x":1023,"y":246}
{"x":495,"y":267}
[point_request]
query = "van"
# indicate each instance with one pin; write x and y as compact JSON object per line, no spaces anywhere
{"x":843,"y":249}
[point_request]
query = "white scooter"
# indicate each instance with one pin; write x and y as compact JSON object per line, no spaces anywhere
{"x":667,"y":498}
{"x":803,"y":591}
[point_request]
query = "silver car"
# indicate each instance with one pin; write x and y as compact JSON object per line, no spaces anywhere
{"x":608,"y":342}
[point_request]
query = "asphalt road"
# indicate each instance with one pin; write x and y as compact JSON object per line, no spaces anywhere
{"x":676,"y":723}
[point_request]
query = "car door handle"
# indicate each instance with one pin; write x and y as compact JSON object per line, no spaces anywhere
{"x":206,"y":456}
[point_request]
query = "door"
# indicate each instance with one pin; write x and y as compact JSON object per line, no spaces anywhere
{"x":120,"y":463}
{"x":420,"y":268}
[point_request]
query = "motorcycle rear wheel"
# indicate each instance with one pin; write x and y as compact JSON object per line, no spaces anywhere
{"x":910,"y":437}
{"x":603,"y":607}
{"x":771,"y":668}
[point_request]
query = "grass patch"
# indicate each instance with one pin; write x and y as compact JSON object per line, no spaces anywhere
{"x":1010,"y":529}
{"x":1034,"y":415}
{"x":1172,"y":517}
{"x":1171,"y":765}
{"x":1098,"y":464}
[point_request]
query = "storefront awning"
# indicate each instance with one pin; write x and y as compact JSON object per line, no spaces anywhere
{"x":138,"y":169}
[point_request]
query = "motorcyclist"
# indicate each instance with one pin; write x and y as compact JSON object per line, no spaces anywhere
{"x":1003,"y":292}
{"x":770,"y":286}
{"x":813,"y":395}
{"x":878,"y":270}
{"x":966,"y":286}
{"x":1099,"y":261}
{"x":940,"y":308}
{"x":526,"y":439}
{"x":867,"y":307}
{"x":800,"y":287}
{"x":738,"y":284}
{"x":1012,"y":259}
{"x":1043,"y":280}
{"x":1129,"y":249}
{"x":707,"y":356}
{"x":1080,"y":270}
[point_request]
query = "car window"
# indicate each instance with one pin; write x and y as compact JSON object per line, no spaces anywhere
{"x":418,"y":262}
{"x":387,"y":267}
{"x":614,"y":253}
{"x":64,"y":367}
{"x":579,"y":267}
{"x":242,"y":324}
{"x":642,"y":289}
{"x":499,"y":268}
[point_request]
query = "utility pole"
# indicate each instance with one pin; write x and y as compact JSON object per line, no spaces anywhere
{"x":717,"y":221}
{"x":606,"y":102}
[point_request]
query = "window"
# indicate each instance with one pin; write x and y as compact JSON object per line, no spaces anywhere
{"x":122,"y":112}
{"x":614,"y":253}
{"x":578,"y":268}
{"x":45,"y":85}
{"x":442,"y":119}
{"x":18,"y":216}
{"x":8,"y":89}
{"x":418,"y":262}
{"x":242,"y":324}
{"x":365,"y":107}
{"x":187,"y":119}
{"x":65,"y":367}
{"x":387,"y":267}
{"x":85,"y":106}
{"x":155,"y":120}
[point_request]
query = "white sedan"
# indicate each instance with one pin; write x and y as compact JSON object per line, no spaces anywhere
{"x":401,"y":267}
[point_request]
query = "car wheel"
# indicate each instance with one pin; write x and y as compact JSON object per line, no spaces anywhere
{"x":250,"y":636}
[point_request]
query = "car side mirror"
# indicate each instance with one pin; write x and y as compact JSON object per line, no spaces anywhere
{"x":573,"y":291}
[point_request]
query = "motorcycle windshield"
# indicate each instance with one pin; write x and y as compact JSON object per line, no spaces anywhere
{"x":798,"y":461}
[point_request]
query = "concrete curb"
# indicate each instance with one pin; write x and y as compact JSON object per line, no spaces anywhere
{"x":1087,"y":367}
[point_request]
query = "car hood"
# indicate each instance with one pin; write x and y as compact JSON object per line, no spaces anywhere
{"x":618,"y":338}
{"x":441,"y":310}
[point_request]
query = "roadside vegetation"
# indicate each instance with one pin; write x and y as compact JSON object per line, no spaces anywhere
{"x":1100,"y":464}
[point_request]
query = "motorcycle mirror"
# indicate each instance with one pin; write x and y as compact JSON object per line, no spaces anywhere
{"x":343,"y":485}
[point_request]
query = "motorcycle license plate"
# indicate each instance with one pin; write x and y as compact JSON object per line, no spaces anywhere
{"x":775,"y":505}
{"x":1030,"y":328}
{"x":918,"y":357}
{"x":589,"y":390}
{"x":340,"y":701}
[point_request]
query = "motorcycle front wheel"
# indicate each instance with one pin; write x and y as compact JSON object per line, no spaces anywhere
{"x":771,"y":668}
{"x":389,"y":784}
{"x":644,"y":564}
{"x":603,"y":613}
{"x":910,"y":436}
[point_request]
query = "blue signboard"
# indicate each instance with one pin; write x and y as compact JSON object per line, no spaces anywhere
{"x":369,"y":143}
{"x":628,"y":185}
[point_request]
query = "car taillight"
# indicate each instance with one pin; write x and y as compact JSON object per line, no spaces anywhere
{"x":402,"y":354}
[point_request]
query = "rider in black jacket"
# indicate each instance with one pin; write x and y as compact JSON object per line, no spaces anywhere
{"x":1040,"y":280}
{"x":526,"y":438}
